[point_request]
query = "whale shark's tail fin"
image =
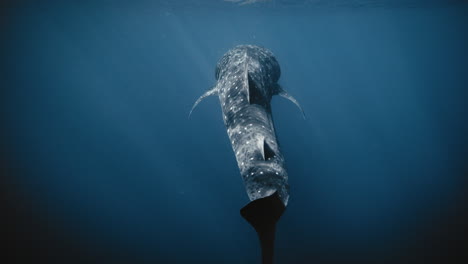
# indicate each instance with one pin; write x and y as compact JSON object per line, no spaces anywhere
{"x":211,"y":91}
{"x":283,"y":93}
{"x":263,"y":214}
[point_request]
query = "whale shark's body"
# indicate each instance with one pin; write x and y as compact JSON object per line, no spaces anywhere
{"x":247,"y":78}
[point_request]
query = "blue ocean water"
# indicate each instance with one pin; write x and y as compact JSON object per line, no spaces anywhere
{"x":96,"y":102}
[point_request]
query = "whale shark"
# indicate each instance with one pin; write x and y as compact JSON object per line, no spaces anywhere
{"x":246,"y":79}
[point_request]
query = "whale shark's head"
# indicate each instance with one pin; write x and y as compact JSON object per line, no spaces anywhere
{"x":260,"y":63}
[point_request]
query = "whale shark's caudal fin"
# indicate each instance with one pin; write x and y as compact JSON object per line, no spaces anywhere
{"x":212,"y":91}
{"x":263,"y":214}
{"x":285,"y":94}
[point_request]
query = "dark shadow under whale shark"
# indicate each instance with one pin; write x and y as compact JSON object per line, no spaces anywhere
{"x":247,"y":78}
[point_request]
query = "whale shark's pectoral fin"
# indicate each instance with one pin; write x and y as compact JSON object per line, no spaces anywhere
{"x":285,"y":94}
{"x":212,"y":91}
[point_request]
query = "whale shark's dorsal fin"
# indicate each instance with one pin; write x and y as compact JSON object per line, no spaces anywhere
{"x":211,"y":91}
{"x":252,"y":91}
{"x":267,"y":151}
{"x":283,"y":93}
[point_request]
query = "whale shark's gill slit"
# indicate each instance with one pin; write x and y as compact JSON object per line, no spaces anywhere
{"x":268,"y":153}
{"x":254,"y":95}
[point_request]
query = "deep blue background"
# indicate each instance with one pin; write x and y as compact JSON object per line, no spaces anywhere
{"x":97,"y":147}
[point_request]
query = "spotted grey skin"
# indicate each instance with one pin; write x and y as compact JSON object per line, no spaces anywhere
{"x":247,"y":79}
